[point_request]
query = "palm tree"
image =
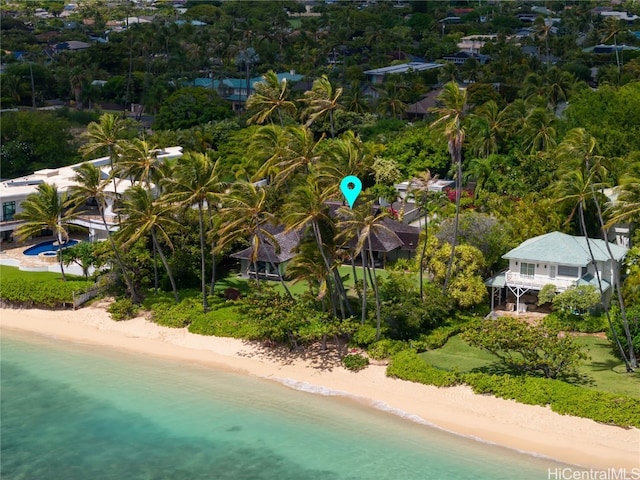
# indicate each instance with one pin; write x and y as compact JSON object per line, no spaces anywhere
{"x":450,"y":121}
{"x":361,"y":222}
{"x":580,"y":146}
{"x":391,"y":98}
{"x":322,"y":99}
{"x":419,"y":190}
{"x":195,"y":183}
{"x":107,"y":135}
{"x":354,"y":99}
{"x":559,"y":85}
{"x":575,"y":186}
{"x":139,"y":161}
{"x":487,"y":129}
{"x":305,"y":209}
{"x":295,"y":150}
{"x":542,"y":31}
{"x":144,"y":216}
{"x":46,"y":209}
{"x":247,"y":59}
{"x":89,"y":183}
{"x":271,"y":96}
{"x":612,"y":27}
{"x":244,"y":214}
{"x":539,"y":131}
{"x":627,"y":206}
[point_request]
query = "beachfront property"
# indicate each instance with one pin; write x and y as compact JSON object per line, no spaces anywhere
{"x":558,"y":259}
{"x":14,"y":192}
{"x":397,"y":240}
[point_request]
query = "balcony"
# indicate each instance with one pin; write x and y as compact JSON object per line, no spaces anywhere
{"x":536,"y":282}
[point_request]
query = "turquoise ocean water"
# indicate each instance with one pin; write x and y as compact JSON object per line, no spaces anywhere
{"x":71,"y":411}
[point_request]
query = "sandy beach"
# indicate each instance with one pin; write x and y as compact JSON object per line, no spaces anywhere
{"x":531,"y":429}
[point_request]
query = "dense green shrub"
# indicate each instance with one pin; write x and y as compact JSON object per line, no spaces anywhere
{"x":407,"y":365}
{"x":563,"y":398}
{"x":177,"y":315}
{"x":437,"y":337}
{"x":386,"y":348}
{"x":633,"y":318}
{"x":577,"y":323}
{"x":355,"y":362}
{"x":224,"y":320}
{"x":25,"y":292}
{"x":123,"y":309}
{"x":364,"y":336}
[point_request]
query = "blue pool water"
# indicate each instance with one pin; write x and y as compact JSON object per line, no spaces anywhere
{"x":47,"y":247}
{"x":72,"y":411}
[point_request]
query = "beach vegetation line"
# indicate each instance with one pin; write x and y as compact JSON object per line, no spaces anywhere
{"x":566,"y":399}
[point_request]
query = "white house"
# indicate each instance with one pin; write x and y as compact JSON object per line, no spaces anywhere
{"x":559,"y":259}
{"x":14,"y":192}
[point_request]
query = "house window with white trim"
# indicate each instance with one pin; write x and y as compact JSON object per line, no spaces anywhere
{"x":527,"y":269}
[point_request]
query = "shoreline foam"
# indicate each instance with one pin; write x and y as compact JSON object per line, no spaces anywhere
{"x":533,"y":430}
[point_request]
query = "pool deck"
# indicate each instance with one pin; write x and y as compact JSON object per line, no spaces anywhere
{"x":12,"y":254}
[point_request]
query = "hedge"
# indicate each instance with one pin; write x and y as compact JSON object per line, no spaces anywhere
{"x":563,"y":398}
{"x":31,"y":293}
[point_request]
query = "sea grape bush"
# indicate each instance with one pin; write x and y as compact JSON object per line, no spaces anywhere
{"x":355,"y":362}
{"x":32,"y":293}
{"x":561,"y":397}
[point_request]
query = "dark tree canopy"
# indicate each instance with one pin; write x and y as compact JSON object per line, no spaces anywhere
{"x":191,"y":106}
{"x":30,"y":141}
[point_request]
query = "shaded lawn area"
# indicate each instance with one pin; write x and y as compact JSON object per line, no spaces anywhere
{"x":602,"y":371}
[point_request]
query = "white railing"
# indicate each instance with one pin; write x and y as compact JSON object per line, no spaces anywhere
{"x":536,"y":282}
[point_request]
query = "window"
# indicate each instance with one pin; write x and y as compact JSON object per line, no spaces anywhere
{"x":566,"y":271}
{"x":527,"y":269}
{"x":8,"y":210}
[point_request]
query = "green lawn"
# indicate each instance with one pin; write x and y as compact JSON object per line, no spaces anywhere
{"x":14,"y":272}
{"x":602,"y":371}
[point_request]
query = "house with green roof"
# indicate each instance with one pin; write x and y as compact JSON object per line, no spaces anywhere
{"x":558,"y":259}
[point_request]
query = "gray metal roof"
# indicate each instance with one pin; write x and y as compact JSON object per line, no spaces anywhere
{"x":557,"y":247}
{"x":498,"y":280}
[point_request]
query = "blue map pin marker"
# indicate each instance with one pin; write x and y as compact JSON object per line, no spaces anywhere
{"x":351,"y":187}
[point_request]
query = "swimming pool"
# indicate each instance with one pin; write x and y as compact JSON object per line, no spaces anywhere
{"x":47,"y":247}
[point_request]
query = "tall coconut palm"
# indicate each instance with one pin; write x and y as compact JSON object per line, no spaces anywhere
{"x":362,"y":222}
{"x":247,"y":58}
{"x":581,"y":147}
{"x":450,"y":122}
{"x":575,"y":187}
{"x":612,"y":27}
{"x":46,"y":209}
{"x":627,"y":206}
{"x":487,"y":129}
{"x":539,"y":131}
{"x":307,"y":208}
{"x":139,"y":160}
{"x":322,"y":99}
{"x":144,"y":216}
{"x":196,"y":183}
{"x":271,"y":96}
{"x":244,"y":214}
{"x":90,"y":183}
{"x":105,"y":135}
{"x":295,"y":150}
{"x":419,"y":190}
